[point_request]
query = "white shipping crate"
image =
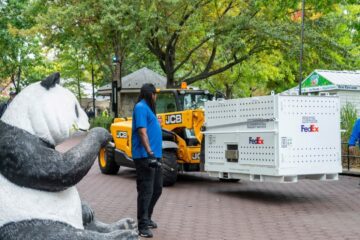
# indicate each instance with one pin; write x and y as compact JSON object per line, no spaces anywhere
{"x":273,"y":138}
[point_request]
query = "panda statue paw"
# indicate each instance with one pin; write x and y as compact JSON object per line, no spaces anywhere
{"x":124,"y":234}
{"x":90,"y":222}
{"x":102,"y":135}
{"x":126,"y":223}
{"x":123,"y":225}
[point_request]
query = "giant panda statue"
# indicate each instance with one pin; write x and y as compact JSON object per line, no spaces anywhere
{"x":38,"y":198}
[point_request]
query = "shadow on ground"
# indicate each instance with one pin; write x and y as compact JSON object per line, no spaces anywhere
{"x":183,"y":178}
{"x":127,"y":173}
{"x":273,"y":197}
{"x":268,"y":193}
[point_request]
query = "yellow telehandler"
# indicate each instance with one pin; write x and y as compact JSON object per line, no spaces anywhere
{"x":181,"y":115}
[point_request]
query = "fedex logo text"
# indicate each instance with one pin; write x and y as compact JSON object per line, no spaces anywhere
{"x":311,"y":128}
{"x":257,"y":140}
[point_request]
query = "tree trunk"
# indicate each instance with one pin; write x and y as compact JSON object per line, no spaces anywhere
{"x":228,"y":91}
{"x":170,"y":64}
{"x":78,"y":80}
{"x":170,"y":80}
{"x":13,"y":80}
{"x":17,"y":87}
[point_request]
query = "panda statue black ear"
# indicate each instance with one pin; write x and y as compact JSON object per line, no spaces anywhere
{"x":51,"y":81}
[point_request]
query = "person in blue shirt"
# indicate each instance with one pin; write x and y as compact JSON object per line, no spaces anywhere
{"x":147,"y":154}
{"x":355,"y":136}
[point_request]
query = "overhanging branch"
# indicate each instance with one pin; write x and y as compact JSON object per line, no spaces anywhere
{"x":203,"y":75}
{"x":186,"y":16}
{"x":191,"y":52}
{"x":211,"y":59}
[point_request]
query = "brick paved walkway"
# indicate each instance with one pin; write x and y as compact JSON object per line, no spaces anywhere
{"x":199,"y":207}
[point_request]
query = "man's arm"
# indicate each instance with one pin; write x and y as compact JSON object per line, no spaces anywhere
{"x":145,"y":140}
{"x":140,"y":124}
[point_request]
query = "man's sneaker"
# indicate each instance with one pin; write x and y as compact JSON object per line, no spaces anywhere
{"x":152,"y":224}
{"x":145,"y":233}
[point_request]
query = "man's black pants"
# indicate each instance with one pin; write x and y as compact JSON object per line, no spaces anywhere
{"x":149,"y":186}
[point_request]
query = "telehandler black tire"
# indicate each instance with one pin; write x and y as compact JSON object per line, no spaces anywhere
{"x":169,"y":168}
{"x":107,"y":163}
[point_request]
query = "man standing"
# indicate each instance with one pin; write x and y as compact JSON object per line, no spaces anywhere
{"x":4,"y":106}
{"x":147,"y":154}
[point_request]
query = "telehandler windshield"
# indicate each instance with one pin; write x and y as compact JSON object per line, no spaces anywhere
{"x":193,"y":100}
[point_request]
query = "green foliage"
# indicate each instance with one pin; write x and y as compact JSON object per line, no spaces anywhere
{"x":3,"y":99}
{"x":207,"y":39}
{"x":101,"y":121}
{"x":257,"y":76}
{"x":91,"y":32}
{"x":241,"y":47}
{"x":348,"y":118}
{"x":21,"y":50}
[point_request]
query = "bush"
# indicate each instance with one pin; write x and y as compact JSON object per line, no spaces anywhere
{"x":348,"y":117}
{"x":101,"y":121}
{"x":3,"y":99}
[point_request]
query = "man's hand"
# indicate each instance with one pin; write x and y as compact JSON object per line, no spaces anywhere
{"x":153,"y":162}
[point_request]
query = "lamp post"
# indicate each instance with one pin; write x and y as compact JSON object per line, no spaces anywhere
{"x":116,"y":84}
{"x":93,"y":87}
{"x":82,"y":68}
{"x":301,"y":43}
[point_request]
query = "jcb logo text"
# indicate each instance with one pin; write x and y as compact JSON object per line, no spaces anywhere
{"x":173,"y":119}
{"x":195,"y":156}
{"x":120,"y":134}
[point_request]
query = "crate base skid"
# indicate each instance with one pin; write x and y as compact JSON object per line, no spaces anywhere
{"x":277,"y":179}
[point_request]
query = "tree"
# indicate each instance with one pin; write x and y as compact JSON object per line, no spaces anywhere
{"x":257,"y":76}
{"x":101,"y":29}
{"x":20,"y":47}
{"x":195,"y":27}
{"x":194,"y":41}
{"x":242,"y":46}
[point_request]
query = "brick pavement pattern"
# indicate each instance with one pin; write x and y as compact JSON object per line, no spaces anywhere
{"x":199,"y":207}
